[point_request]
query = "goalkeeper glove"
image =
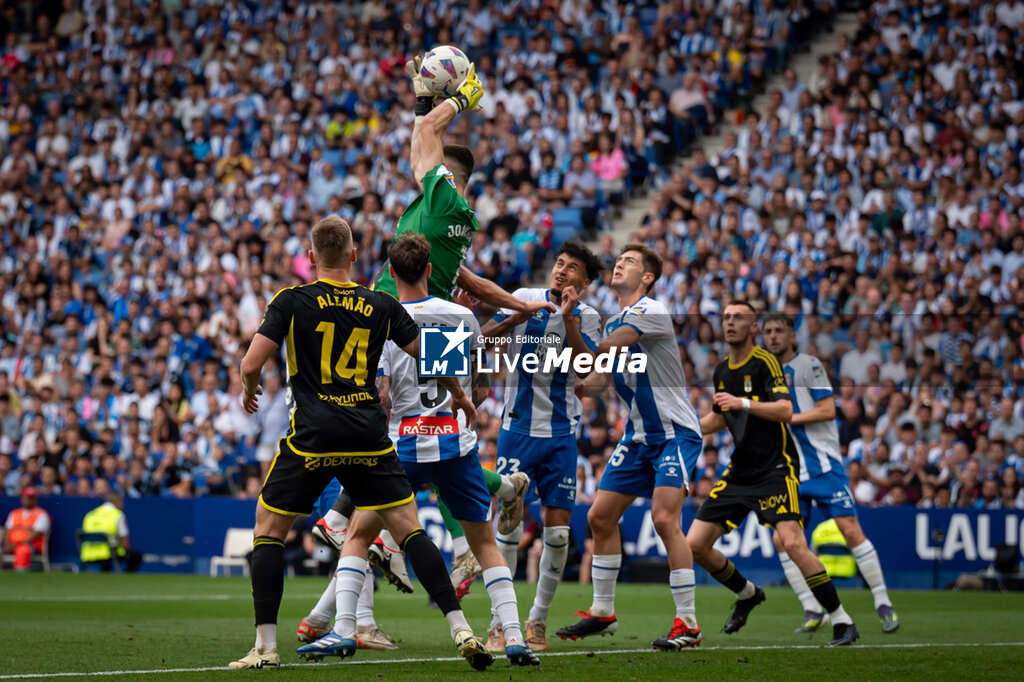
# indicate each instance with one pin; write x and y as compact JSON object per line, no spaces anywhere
{"x":424,"y":97}
{"x":469,"y":93}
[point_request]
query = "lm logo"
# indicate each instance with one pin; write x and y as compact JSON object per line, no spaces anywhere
{"x":772,"y":502}
{"x":444,"y":351}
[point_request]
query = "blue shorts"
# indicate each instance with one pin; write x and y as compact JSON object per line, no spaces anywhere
{"x":549,"y":462}
{"x":326,"y":500}
{"x":460,"y":485}
{"x":831,"y":492}
{"x":637,"y":469}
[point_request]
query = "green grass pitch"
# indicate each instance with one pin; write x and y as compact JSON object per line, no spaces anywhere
{"x":189,"y":627}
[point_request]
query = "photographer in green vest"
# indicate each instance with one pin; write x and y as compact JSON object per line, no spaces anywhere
{"x":109,"y":519}
{"x":829,"y":544}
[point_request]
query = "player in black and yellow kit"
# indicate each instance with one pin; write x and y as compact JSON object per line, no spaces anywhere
{"x":334,"y":332}
{"x":753,"y":401}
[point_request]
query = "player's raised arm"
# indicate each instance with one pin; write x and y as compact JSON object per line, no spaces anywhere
{"x":492,"y":294}
{"x":426,"y":147}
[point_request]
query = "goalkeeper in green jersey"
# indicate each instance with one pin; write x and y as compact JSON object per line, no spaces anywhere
{"x":444,"y":217}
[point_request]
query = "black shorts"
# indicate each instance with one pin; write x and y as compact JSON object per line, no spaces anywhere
{"x":773,"y":499}
{"x":294,"y":481}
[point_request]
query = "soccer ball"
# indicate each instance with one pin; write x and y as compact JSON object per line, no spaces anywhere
{"x":444,"y":69}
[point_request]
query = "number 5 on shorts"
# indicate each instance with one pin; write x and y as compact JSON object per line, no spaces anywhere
{"x":618,"y":455}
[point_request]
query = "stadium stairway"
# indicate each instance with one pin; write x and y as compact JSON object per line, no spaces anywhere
{"x":804,"y":62}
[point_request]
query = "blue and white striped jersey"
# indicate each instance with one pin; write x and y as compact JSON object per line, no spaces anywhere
{"x":658,"y":401}
{"x":544,"y":404}
{"x":422,"y":425}
{"x":817,"y":443}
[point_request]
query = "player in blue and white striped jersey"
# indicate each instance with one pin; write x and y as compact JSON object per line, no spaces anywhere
{"x":823,"y":479}
{"x":434,"y":445}
{"x":538,"y":429}
{"x":658,"y":451}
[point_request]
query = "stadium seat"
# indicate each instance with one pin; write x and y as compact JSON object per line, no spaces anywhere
{"x":648,"y":18}
{"x":567,"y":223}
{"x":237,"y":544}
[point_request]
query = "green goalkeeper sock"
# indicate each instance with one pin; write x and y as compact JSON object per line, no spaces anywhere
{"x":492,"y":479}
{"x":453,"y":526}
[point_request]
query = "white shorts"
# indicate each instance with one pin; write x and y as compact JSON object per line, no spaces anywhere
{"x":265,"y":453}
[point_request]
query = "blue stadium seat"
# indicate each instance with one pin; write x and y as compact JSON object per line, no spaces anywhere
{"x":567,"y":223}
{"x":648,"y":18}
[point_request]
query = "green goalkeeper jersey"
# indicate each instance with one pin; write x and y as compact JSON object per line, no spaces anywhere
{"x":444,"y":217}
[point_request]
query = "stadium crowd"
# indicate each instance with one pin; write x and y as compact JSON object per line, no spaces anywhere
{"x":161,"y":170}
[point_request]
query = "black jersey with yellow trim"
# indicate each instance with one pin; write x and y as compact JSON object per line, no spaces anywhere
{"x":763,"y":447}
{"x":334,"y":333}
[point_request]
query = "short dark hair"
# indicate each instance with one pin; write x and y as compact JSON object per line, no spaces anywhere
{"x":782,"y":318}
{"x":577,"y":250}
{"x":459,"y":161}
{"x":651,"y":259}
{"x":409,"y":256}
{"x":332,"y":239}
{"x":743,"y":302}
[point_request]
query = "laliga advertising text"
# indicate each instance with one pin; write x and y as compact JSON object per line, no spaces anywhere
{"x":549,"y":360}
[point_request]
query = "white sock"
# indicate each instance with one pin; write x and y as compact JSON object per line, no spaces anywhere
{"x":457,"y":621}
{"x":604,"y":573}
{"x":336,"y":520}
{"x":796,"y":580}
{"x":684,"y":589}
{"x":364,"y":607}
{"x":747,"y":592}
{"x":506,"y":491}
{"x":460,"y":546}
{"x":498,"y":581}
{"x":389,"y":542}
{"x":509,"y":546}
{"x":266,"y":637}
{"x":840,"y":617}
{"x":350,"y":577}
{"x":323,"y":613}
{"x":871,"y":568}
{"x":552,"y":565}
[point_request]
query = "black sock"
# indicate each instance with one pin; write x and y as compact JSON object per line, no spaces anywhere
{"x":730,"y":577}
{"x":267,"y":578}
{"x":430,"y":570}
{"x":824,"y":590}
{"x":344,"y":505}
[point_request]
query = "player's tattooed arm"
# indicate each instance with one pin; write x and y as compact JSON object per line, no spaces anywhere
{"x":383,"y":390}
{"x":481,"y":386}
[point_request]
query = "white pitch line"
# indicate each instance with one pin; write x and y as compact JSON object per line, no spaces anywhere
{"x":600,"y":652}
{"x":146,"y":597}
